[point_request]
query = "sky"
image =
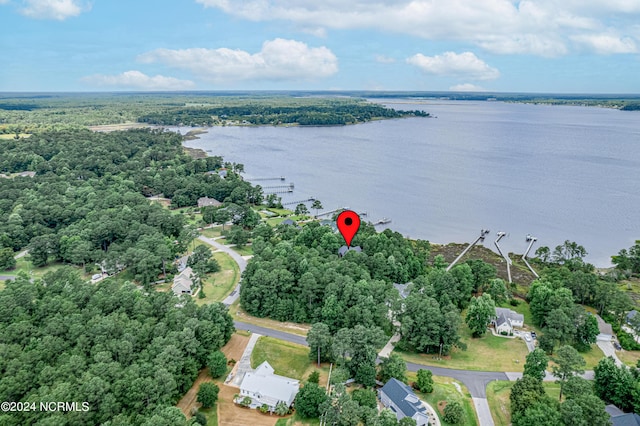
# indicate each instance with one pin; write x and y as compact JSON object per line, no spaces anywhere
{"x":543,"y":46}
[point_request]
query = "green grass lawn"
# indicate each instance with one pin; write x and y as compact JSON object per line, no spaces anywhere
{"x":212,"y":415}
{"x":218,"y":286}
{"x":212,"y":232}
{"x":297,"y":420}
{"x":287,"y":359}
{"x":488,"y":353}
{"x":498,"y":393}
{"x":444,"y":390}
{"x":2,"y":285}
{"x":244,"y":250}
{"x":280,"y":212}
{"x":630,"y":358}
{"x":592,"y":357}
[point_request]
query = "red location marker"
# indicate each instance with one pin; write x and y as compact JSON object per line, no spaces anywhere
{"x":348,"y":224}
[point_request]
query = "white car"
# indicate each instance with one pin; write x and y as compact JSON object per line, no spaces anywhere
{"x":96,"y":276}
{"x":527,"y":337}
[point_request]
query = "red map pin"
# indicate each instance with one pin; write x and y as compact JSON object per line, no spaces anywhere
{"x":348,"y":224}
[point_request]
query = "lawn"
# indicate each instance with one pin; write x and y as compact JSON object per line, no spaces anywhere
{"x":296,"y":420}
{"x":488,"y":353}
{"x":287,"y":359}
{"x":212,"y":415}
{"x":1,"y":285}
{"x":630,"y":358}
{"x":244,"y":250}
{"x":498,"y":393}
{"x":218,"y":286}
{"x":25,"y":265}
{"x":592,"y":357}
{"x":212,"y":232}
{"x":445,"y":390}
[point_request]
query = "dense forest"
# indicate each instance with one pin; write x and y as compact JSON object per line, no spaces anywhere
{"x":327,"y":113}
{"x":296,"y":274}
{"x":128,"y":353}
{"x":86,"y":204}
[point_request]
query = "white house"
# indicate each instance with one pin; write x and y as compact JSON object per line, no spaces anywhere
{"x":506,"y":319}
{"x":400,"y":399}
{"x":265,"y":387}
{"x":182,"y":282}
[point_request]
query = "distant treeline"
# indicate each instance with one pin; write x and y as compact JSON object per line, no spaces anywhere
{"x":304,"y":115}
{"x":631,"y":107}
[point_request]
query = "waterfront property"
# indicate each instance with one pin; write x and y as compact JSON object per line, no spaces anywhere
{"x":266,"y":388}
{"x":400,"y":399}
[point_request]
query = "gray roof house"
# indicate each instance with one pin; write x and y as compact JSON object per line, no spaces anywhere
{"x":182,"y":282}
{"x":403,"y":289}
{"x":631,"y":315}
{"x":506,"y":320}
{"x":620,"y":418}
{"x":208,"y":202}
{"x":265,"y":387}
{"x":400,"y":399}
{"x":606,"y":331}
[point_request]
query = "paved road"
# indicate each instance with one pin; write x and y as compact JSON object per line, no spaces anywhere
{"x":609,"y":350}
{"x":23,"y":253}
{"x":282,"y":335}
{"x":242,"y":265}
{"x":7,"y":277}
{"x":483,"y":411}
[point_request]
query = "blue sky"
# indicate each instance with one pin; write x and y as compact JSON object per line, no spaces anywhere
{"x":562,"y":46}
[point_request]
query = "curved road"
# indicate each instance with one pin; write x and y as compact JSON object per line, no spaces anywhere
{"x":242,"y":265}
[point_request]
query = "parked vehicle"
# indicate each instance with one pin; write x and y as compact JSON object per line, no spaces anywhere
{"x":534,"y":335}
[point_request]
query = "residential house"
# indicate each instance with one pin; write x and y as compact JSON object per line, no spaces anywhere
{"x":208,"y":202}
{"x":620,"y":418}
{"x":630,"y":316}
{"x":506,"y":320}
{"x":400,"y":399}
{"x":606,"y":331}
{"x":288,"y":222}
{"x":265,"y":387}
{"x":182,"y":283}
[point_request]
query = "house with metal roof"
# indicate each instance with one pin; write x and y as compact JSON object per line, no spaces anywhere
{"x":265,"y":387}
{"x":182,"y":282}
{"x":400,"y":399}
{"x":620,"y":418}
{"x":506,"y":319}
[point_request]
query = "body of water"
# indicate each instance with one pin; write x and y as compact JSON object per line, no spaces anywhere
{"x":555,"y":172}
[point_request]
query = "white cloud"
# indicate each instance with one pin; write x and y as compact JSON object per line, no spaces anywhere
{"x":53,"y":9}
{"x":607,"y":43}
{"x":465,"y":64}
{"x":278,"y":59}
{"x":384,"y":59}
{"x":539,"y":27}
{"x":467,"y":87}
{"x":138,"y":80}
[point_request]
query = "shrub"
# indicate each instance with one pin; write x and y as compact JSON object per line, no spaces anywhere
{"x":264,"y":408}
{"x":504,"y":333}
{"x":514,"y":302}
{"x":453,"y":412}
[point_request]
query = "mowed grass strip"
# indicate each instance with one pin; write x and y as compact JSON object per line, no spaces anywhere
{"x":287,"y":359}
{"x":445,"y":390}
{"x":630,"y":358}
{"x":498,"y":396}
{"x":487,"y":353}
{"x":239,"y":314}
{"x":217,"y":286}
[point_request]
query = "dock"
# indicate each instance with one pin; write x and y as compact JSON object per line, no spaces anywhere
{"x":382,"y":221}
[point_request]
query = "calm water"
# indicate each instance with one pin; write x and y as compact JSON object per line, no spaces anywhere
{"x":555,"y":172}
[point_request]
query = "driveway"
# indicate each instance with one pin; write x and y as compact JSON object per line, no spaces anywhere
{"x":609,"y":350}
